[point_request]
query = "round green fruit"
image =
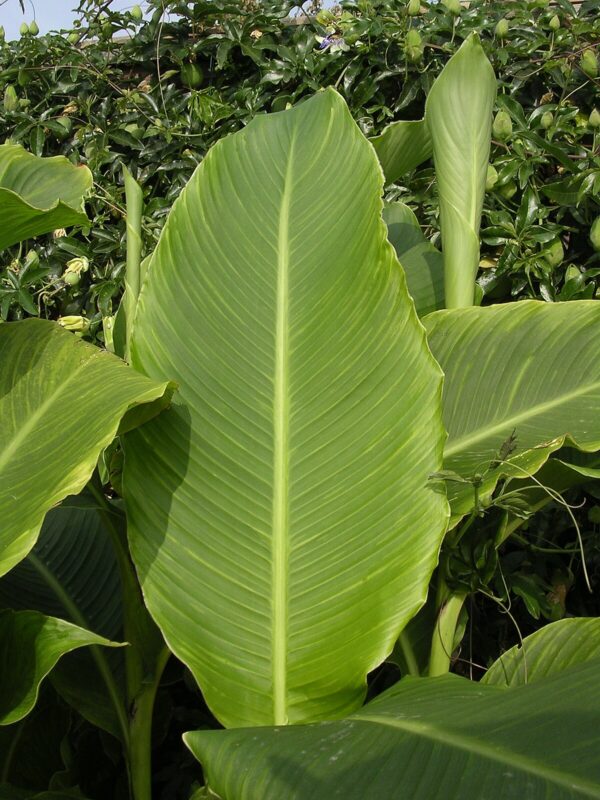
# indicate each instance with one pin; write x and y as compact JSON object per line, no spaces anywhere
{"x":71,"y":278}
{"x":502,"y":126}
{"x":192,"y":75}
{"x":502,"y":28}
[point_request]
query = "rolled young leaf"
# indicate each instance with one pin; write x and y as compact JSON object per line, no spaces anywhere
{"x":522,"y":377}
{"x":280,"y":515}
{"x":553,"y":649}
{"x":423,"y":263}
{"x":441,"y":738}
{"x":458,"y":112}
{"x":402,"y":146}
{"x":31,"y":644}
{"x":38,"y":195}
{"x":61,"y":403}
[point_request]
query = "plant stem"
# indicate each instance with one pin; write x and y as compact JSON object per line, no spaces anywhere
{"x":140,"y":752}
{"x":405,"y":645}
{"x":442,"y":643}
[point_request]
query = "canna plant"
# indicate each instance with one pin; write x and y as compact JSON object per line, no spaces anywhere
{"x":286,"y":511}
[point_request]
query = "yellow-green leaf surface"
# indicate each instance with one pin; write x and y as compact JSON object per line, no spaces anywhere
{"x":549,"y":651}
{"x":425,"y":739}
{"x":280,"y":513}
{"x":422,"y":263}
{"x":31,"y":644}
{"x":458,"y":112}
{"x":530,"y":368}
{"x":402,"y":146}
{"x":61,"y":403}
{"x":38,"y":195}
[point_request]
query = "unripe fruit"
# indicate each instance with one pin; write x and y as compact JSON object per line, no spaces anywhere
{"x":554,"y":23}
{"x":554,"y":254}
{"x":73,"y":38}
{"x":502,"y":127}
{"x":594,"y":119}
{"x":33,"y":28}
{"x":413,"y":8}
{"x":136,"y":13}
{"x":589,"y":64}
{"x":71,"y":278}
{"x":453,"y":7}
{"x":595,"y":234}
{"x":191,"y":75}
{"x":491,"y":178}
{"x":11,"y":101}
{"x":547,"y":120}
{"x":508,"y":190}
{"x":502,"y":28}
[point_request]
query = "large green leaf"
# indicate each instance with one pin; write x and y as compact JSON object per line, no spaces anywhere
{"x":458,"y":112}
{"x":30,"y":645}
{"x":549,"y":651}
{"x":528,"y":369}
{"x":72,"y":573}
{"x":425,"y":739}
{"x":38,"y":195}
{"x":61,"y":402}
{"x":402,"y":146}
{"x":423,"y":263}
{"x":280,"y":515}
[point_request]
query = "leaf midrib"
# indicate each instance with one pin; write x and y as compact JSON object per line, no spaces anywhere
{"x":280,"y":532}
{"x":493,"y":752}
{"x":460,"y":444}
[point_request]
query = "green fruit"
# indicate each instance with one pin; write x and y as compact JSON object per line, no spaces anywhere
{"x":453,"y":7}
{"x":24,"y":77}
{"x":547,"y":120}
{"x":491,"y":178}
{"x":71,"y":278}
{"x":24,"y":29}
{"x":73,"y":38}
{"x":191,"y":75}
{"x":589,"y":64}
{"x":508,"y":190}
{"x":502,"y":28}
{"x":554,"y":23}
{"x":33,"y":28}
{"x":11,"y":101}
{"x":413,"y":39}
{"x":136,"y":13}
{"x":502,"y":127}
{"x":595,"y":234}
{"x":554,"y":254}
{"x":413,"y":8}
{"x":594,"y":119}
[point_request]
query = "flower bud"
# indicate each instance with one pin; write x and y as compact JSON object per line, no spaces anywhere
{"x":491,"y":177}
{"x":594,"y":119}
{"x":11,"y":101}
{"x":547,"y":120}
{"x":136,"y":13}
{"x":453,"y":7}
{"x":502,"y":126}
{"x":34,"y":28}
{"x":59,"y":233}
{"x":24,"y":29}
{"x":2,"y":33}
{"x":502,"y":28}
{"x":595,"y":234}
{"x":589,"y":64}
{"x":554,"y":23}
{"x":75,"y":324}
{"x":78,"y":265}
{"x":413,"y":8}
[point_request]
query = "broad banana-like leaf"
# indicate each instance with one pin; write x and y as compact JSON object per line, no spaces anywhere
{"x":280,"y":514}
{"x":402,"y":146}
{"x":38,"y":195}
{"x":72,"y":573}
{"x":425,"y":739}
{"x":522,"y":380}
{"x":549,"y":651}
{"x":31,"y":644}
{"x":423,"y":263}
{"x":458,"y":112}
{"x":61,"y":403}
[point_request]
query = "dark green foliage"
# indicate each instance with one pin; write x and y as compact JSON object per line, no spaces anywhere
{"x":155,"y":95}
